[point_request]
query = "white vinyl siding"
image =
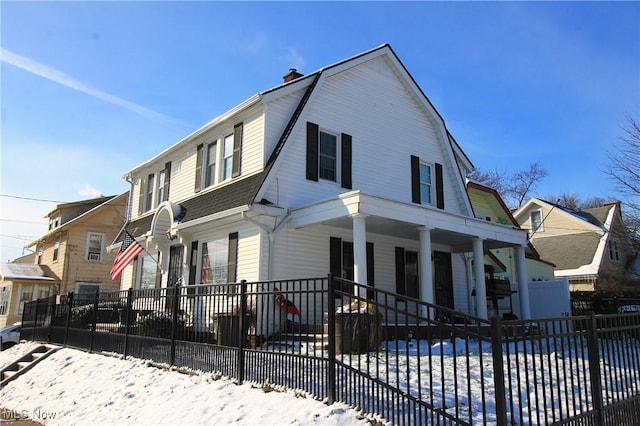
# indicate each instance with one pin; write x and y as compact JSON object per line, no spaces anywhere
{"x":387,"y":126}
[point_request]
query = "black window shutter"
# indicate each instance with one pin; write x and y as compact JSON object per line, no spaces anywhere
{"x":167,"y":180}
{"x":232,"y":264}
{"x":439,"y":187}
{"x":400,"y":272}
{"x":237,"y":149}
{"x":141,"y":196}
{"x":312,"y":151}
{"x":335,"y":256}
{"x":415,"y":179}
{"x":199,"y":158}
{"x":346,"y":161}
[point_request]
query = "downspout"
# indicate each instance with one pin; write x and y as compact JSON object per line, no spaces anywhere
{"x":271,"y":233}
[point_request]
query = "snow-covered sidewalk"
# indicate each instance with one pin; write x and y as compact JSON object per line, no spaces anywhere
{"x":75,"y":387}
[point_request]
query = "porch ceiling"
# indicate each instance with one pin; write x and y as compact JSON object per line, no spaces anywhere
{"x":392,"y":218}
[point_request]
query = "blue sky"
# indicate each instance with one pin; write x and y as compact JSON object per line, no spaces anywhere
{"x":92,"y":89}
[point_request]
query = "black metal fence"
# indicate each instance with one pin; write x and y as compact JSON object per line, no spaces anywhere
{"x":403,"y":359}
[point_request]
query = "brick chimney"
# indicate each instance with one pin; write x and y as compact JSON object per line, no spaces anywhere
{"x":291,"y":75}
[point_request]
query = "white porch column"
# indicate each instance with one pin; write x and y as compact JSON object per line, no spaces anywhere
{"x":523,"y":284}
{"x":426,"y":266}
{"x":360,"y":251}
{"x":481,"y":285}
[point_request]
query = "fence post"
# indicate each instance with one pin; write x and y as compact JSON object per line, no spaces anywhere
{"x":93,"y":322}
{"x":127,"y":319}
{"x":23,"y":322}
{"x":68,"y":322}
{"x":35,"y":319}
{"x":498,"y":371}
{"x":594,"y":367}
{"x":331,"y":349}
{"x":241,"y":335}
{"x":174,"y":322}
{"x":52,"y":309}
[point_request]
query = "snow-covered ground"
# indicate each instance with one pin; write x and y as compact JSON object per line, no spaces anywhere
{"x":74,"y":387}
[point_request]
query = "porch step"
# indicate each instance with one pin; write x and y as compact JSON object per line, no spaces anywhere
{"x":25,"y":363}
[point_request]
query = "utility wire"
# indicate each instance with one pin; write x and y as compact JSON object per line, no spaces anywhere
{"x":33,"y":199}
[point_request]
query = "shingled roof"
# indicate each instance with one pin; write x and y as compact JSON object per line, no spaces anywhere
{"x":239,"y":193}
{"x":568,"y":251}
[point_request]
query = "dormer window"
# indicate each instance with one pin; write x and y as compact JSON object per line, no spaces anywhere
{"x":155,"y":189}
{"x":225,"y":151}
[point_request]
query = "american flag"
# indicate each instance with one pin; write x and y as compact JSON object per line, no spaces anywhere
{"x":129,"y":250}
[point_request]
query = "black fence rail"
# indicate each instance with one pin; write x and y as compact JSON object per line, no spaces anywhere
{"x":403,"y":359}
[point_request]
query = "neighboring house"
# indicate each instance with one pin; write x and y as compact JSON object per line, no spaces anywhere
{"x":500,"y":262}
{"x":589,"y":247}
{"x":19,"y":283}
{"x":75,"y":245}
{"x":348,"y":170}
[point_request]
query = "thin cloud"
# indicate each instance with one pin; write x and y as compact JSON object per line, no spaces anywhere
{"x":61,"y":78}
{"x":90,"y":192}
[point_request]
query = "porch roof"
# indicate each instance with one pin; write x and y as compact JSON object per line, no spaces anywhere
{"x":394,"y":218}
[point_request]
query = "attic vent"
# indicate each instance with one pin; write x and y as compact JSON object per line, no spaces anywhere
{"x":291,"y":75}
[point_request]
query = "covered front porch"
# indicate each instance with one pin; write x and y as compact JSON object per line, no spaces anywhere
{"x":470,"y":237}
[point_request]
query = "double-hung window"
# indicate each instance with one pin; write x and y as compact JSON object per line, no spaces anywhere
{"x":536,"y":221}
{"x":228,"y":157}
{"x":426,"y":183}
{"x":212,"y":154}
{"x":148,"y":202}
{"x":56,"y":247}
{"x":328,"y":156}
{"x":95,"y":242}
{"x":614,"y":254}
{"x":160,"y":189}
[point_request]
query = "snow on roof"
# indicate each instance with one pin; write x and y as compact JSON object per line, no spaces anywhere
{"x":25,"y":271}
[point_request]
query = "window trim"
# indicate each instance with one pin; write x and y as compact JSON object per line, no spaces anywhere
{"x":87,"y":253}
{"x":149,"y":192}
{"x":159,"y":196}
{"x":227,"y":157}
{"x":139,"y":265}
{"x":56,"y":247}
{"x":430,"y":184}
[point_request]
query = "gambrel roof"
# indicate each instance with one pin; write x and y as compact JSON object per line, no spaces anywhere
{"x":247,"y":190}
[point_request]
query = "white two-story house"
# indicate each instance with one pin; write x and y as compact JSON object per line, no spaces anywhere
{"x":348,"y":170}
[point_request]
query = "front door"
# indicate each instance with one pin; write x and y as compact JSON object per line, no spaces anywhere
{"x":443,"y":279}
